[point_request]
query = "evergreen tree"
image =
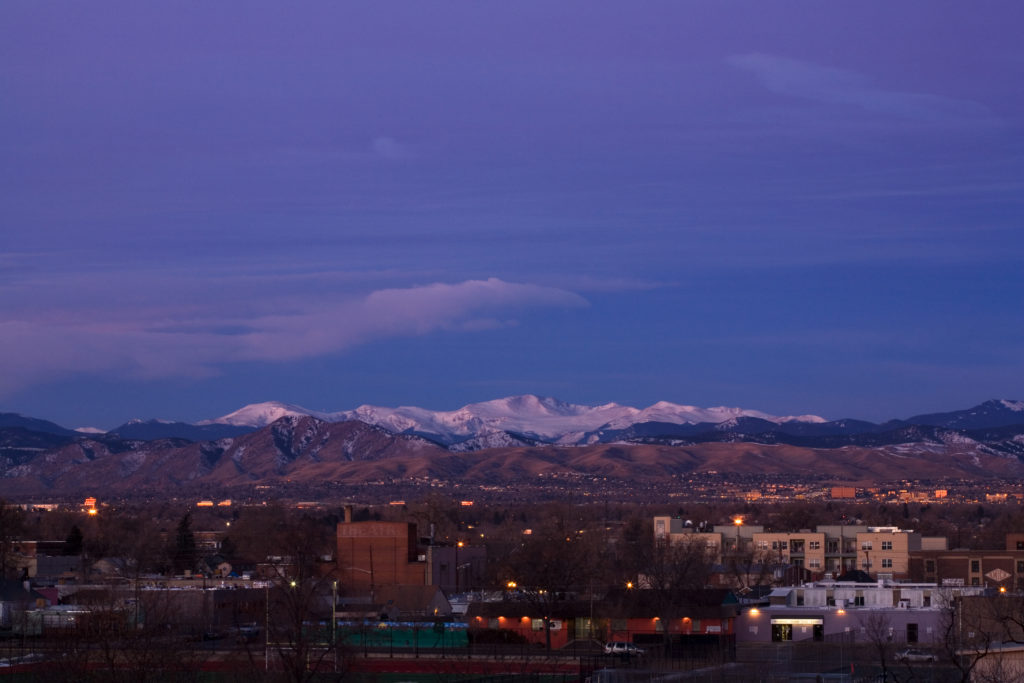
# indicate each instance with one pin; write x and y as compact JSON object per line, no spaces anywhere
{"x":74,"y":541}
{"x":185,"y":545}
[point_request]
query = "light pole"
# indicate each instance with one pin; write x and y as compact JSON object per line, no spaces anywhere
{"x":457,"y":546}
{"x":334,"y":623}
{"x":266,"y":628}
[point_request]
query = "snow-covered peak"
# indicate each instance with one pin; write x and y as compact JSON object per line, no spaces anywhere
{"x":89,"y":430}
{"x":673,"y":413}
{"x":815,"y":419}
{"x":262,"y":414}
{"x":1016,"y":406}
{"x":546,"y":418}
{"x":533,"y":416}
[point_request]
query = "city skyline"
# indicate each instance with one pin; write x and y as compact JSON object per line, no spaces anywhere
{"x":779,"y":207}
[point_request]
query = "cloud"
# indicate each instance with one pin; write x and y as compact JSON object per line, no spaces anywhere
{"x":56,"y":346}
{"x":839,"y":86}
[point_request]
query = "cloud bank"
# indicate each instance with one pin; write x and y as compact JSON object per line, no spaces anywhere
{"x":57,"y":346}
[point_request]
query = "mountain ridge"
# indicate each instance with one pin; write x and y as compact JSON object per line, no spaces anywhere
{"x":303,"y":450}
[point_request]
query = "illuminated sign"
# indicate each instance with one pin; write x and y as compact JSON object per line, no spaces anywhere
{"x":797,"y":621}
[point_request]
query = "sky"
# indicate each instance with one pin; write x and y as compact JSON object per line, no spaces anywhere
{"x":795,"y":207}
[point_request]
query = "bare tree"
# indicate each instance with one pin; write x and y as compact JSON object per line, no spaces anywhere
{"x":299,"y":610}
{"x":12,"y":524}
{"x":968,"y":634}
{"x":671,"y":572}
{"x":878,"y":630}
{"x":549,"y":567}
{"x":748,"y":567}
{"x":120,"y":635}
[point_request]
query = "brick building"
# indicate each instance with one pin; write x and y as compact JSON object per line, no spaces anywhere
{"x":372,"y":554}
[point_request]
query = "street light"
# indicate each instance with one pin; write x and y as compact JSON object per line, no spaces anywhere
{"x":458,"y":545}
{"x":334,"y":623}
{"x":737,"y":522}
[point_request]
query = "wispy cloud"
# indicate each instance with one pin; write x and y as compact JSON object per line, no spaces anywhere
{"x":55,"y":346}
{"x":839,"y":86}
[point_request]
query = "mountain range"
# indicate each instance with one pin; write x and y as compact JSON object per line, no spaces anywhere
{"x":532,"y":420}
{"x":501,"y":441}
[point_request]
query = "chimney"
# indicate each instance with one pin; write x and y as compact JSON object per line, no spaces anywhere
{"x":348,"y":514}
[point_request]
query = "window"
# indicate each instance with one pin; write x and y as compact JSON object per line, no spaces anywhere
{"x":1020,"y":545}
{"x":886,"y":545}
{"x":814,"y":545}
{"x":831,"y":546}
{"x":763,"y":545}
{"x":886,"y":563}
{"x":975,"y":581}
{"x":911,"y":633}
{"x":929,"y":565}
{"x":975,"y":566}
{"x":1020,"y":566}
{"x":858,"y":601}
{"x":866,"y":545}
{"x":814,"y":563}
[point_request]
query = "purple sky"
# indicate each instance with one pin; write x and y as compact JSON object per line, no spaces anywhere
{"x":799,"y":207}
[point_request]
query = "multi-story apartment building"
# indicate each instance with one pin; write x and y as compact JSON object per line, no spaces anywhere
{"x":719,"y":540}
{"x":828,"y":550}
{"x":885,"y":551}
{"x":804,"y":549}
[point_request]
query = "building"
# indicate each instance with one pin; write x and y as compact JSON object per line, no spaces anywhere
{"x":456,"y":568}
{"x":804,"y":549}
{"x":895,"y":612}
{"x":373,"y":554}
{"x":704,"y":620}
{"x":964,"y":567}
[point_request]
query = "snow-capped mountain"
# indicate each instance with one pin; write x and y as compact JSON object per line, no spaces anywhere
{"x":261,"y":414}
{"x":531,"y":417}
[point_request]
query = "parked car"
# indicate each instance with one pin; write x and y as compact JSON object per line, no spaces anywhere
{"x":622,"y":649}
{"x":913,"y":655}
